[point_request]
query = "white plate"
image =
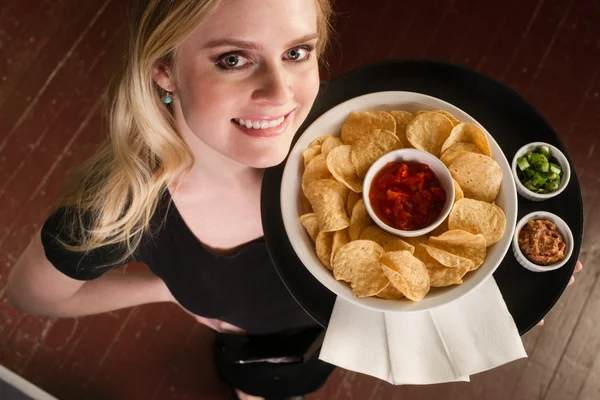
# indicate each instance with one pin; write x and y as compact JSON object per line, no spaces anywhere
{"x":330,"y":123}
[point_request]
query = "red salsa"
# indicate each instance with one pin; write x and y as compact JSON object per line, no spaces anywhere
{"x":407,"y":196}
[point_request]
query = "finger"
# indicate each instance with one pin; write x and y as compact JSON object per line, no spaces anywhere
{"x":541,"y":323}
{"x":578,"y":267}
{"x":571,"y":281}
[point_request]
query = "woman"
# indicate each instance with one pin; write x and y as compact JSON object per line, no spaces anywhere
{"x":211,"y":92}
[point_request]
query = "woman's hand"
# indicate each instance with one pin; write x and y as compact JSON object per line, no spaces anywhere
{"x":578,"y":267}
{"x":216,"y":325}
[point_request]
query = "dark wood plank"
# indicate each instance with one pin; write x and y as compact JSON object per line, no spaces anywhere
{"x":578,"y":359}
{"x":591,"y":386}
{"x":450,"y":31}
{"x":32,"y":64}
{"x":505,"y":44}
{"x":480,"y":23}
{"x":27,"y":42}
{"x":58,"y":117}
{"x":418,"y":31}
{"x":530,"y":50}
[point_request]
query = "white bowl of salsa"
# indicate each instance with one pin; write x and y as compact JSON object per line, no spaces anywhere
{"x":408,"y":192}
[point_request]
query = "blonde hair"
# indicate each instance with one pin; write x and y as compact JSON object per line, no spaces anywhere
{"x":111,"y":198}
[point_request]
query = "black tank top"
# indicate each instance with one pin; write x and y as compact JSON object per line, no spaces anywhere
{"x":242,"y":289}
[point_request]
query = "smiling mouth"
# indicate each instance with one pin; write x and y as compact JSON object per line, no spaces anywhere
{"x":262,"y":123}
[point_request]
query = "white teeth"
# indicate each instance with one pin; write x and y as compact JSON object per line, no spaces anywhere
{"x":260,"y":124}
{"x":276,"y":122}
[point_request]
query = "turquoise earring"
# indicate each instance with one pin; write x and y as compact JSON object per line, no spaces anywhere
{"x":167,"y":98}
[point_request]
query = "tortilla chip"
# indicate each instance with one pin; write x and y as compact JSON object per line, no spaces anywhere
{"x":428,"y":131}
{"x":353,"y":198}
{"x":463,"y":244}
{"x":468,"y":132}
{"x":330,"y":143}
{"x":440,"y":275}
{"x":441,"y":228}
{"x":313,"y":149}
{"x":402,"y":119}
{"x":369,"y":280}
{"x":323,"y":244}
{"x":309,"y":221}
{"x":356,"y":262}
{"x":361,"y":123}
{"x":446,"y":114}
{"x":341,"y":167}
{"x":479,"y":176}
{"x":452,"y":152}
{"x":390,"y":292}
{"x":340,"y":239}
{"x":448,"y":259}
{"x":367,"y":149}
{"x":330,"y":208}
{"x":406,"y":273}
{"x":385,"y":239}
{"x":306,"y":204}
{"x":458,"y":192}
{"x":315,"y":170}
{"x":478,"y":217}
{"x":359,"y":220}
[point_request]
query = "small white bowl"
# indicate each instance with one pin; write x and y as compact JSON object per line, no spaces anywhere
{"x":562,"y":161}
{"x":564,"y":230}
{"x":411,"y":155}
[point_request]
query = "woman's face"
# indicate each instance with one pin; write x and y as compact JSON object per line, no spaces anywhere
{"x":247,"y":78}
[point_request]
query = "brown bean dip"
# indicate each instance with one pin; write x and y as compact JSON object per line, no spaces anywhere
{"x":541,"y":243}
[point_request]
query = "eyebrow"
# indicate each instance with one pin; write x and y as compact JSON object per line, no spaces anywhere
{"x":253,"y":46}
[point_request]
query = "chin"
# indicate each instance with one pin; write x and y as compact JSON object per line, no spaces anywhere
{"x":267,"y":159}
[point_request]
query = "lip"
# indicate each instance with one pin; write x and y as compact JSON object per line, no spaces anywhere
{"x":267,"y":132}
{"x":264,"y":118}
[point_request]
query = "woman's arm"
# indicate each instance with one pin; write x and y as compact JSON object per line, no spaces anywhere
{"x":36,"y":287}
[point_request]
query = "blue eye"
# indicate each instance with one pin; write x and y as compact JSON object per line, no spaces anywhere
{"x":301,"y":53}
{"x":231,"y":61}
{"x":294,"y":54}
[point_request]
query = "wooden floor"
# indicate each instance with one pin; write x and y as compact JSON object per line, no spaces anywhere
{"x":54,"y":64}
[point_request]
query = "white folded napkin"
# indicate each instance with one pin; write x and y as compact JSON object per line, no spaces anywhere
{"x":472,"y":334}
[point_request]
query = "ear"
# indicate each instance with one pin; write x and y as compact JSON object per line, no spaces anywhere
{"x":161,"y":74}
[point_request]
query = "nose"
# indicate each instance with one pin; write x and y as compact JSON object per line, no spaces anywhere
{"x":273,"y":87}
